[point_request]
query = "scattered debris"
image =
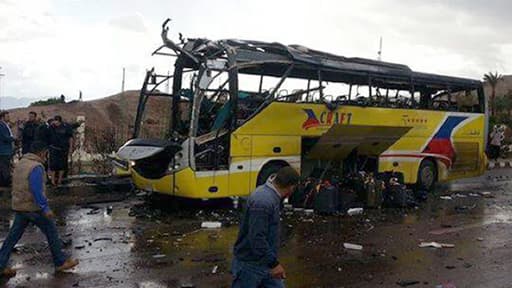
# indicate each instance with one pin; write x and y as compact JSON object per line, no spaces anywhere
{"x":405,"y":283}
{"x":210,"y":258}
{"x":464,"y":208}
{"x":450,"y":267}
{"x":355,"y":211}
{"x":93,"y":212}
{"x":215,"y":268}
{"x":103,"y":239}
{"x":480,"y":239}
{"x":487,"y":194}
{"x":159,"y":256}
{"x":352,"y":246}
{"x":435,"y":245}
{"x":446,"y":285}
{"x":211,"y":225}
{"x":141,"y":194}
{"x":66,"y":242}
{"x":446,"y":198}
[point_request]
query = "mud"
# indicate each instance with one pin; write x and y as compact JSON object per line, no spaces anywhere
{"x":125,"y":240}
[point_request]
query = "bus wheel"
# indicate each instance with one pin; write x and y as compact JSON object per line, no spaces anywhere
{"x":427,"y":175}
{"x":267,"y":170}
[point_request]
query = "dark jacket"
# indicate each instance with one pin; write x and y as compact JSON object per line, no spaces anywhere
{"x":258,"y":238}
{"x":6,"y":140}
{"x":28,"y":135}
{"x":43,"y":133}
{"x":59,"y":136}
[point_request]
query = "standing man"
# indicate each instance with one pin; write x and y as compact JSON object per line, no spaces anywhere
{"x":30,"y":205}
{"x":61,"y":139}
{"x":6,"y":149}
{"x":255,"y":262}
{"x":495,"y":143}
{"x":28,"y":133}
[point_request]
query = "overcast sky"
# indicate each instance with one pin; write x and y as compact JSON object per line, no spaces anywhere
{"x":53,"y":47}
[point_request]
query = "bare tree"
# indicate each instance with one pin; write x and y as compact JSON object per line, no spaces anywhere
{"x":101,"y":143}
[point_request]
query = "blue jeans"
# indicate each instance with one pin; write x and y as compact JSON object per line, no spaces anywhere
{"x":47,"y":226}
{"x":246,"y":275}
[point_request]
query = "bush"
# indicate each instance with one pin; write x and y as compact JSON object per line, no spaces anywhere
{"x":49,"y":101}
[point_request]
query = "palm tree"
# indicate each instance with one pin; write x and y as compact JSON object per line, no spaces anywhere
{"x":493,"y":79}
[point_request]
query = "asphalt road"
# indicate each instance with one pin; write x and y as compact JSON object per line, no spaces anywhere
{"x":129,"y":243}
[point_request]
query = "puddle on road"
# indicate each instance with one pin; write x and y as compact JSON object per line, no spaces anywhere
{"x":169,"y":250}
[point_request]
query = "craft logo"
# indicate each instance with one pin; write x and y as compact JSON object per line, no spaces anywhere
{"x":326,"y":119}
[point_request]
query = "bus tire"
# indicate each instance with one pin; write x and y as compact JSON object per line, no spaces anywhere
{"x":269,"y":169}
{"x":427,"y":175}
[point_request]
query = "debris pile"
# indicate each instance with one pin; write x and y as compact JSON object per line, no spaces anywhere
{"x":329,"y":195}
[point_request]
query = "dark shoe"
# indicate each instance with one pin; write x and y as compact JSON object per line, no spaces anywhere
{"x":69,"y":264}
{"x":8,"y":273}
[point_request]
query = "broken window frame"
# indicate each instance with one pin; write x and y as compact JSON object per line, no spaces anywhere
{"x":242,"y":55}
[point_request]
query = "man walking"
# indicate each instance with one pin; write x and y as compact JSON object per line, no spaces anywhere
{"x":6,"y":149}
{"x":255,"y":262}
{"x":28,"y":133}
{"x":61,"y":140}
{"x":30,"y":205}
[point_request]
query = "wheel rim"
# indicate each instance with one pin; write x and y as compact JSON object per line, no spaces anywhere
{"x":427,"y":176}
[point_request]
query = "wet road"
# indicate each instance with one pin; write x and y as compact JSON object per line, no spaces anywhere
{"x":120,"y":245}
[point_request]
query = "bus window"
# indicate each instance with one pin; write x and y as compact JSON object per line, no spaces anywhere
{"x":156,"y":118}
{"x":467,"y":101}
{"x":336,"y":92}
{"x":216,"y":105}
{"x":461,"y":101}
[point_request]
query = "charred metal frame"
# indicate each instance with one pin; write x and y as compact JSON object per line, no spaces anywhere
{"x":270,"y":59}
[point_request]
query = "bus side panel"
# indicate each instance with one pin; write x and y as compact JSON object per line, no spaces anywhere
{"x":468,"y":142}
{"x":240,"y":176}
{"x":267,"y":148}
{"x":240,"y":171}
{"x":275,"y":146}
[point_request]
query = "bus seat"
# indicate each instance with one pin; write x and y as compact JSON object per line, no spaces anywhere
{"x":222,"y":116}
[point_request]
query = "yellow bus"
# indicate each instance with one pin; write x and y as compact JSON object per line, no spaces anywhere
{"x":240,"y":110}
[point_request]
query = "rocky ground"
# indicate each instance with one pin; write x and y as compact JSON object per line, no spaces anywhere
{"x":124,"y":239}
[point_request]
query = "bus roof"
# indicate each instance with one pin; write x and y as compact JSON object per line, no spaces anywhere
{"x":272,"y":59}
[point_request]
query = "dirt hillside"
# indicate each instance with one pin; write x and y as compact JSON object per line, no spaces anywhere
{"x":113,"y":112}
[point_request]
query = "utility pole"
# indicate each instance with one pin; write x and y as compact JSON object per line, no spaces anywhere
{"x":167,"y":88}
{"x":124,"y":122}
{"x":379,"y":54}
{"x":1,"y":75}
{"x":124,"y":75}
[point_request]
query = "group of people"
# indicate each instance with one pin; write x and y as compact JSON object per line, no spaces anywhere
{"x":55,"y":134}
{"x":28,"y":182}
{"x":255,"y":262}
